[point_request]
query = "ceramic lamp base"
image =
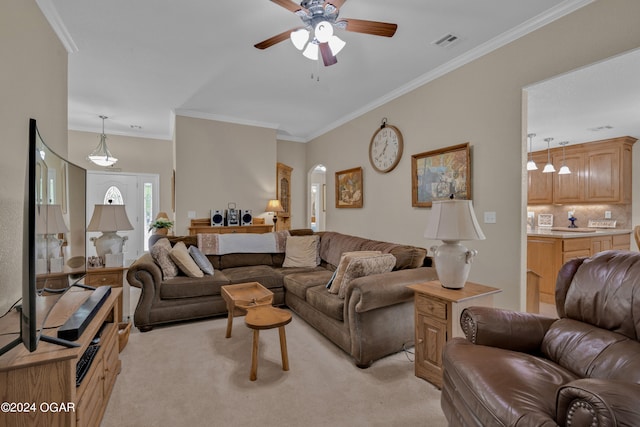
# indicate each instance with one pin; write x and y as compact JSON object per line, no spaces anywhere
{"x":109,"y":243}
{"x":453,"y":263}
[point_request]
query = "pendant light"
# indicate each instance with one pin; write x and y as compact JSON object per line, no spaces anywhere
{"x":101,"y":156}
{"x":531,"y":165}
{"x":549,"y":166}
{"x":564,"y":170}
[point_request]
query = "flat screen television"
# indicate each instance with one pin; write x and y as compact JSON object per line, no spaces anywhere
{"x":54,"y":227}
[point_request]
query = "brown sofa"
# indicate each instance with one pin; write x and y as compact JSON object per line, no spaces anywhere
{"x":583,"y":369}
{"x":375,"y":318}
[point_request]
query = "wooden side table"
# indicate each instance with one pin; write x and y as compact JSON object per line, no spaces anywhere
{"x":112,"y":276}
{"x":437,"y":317}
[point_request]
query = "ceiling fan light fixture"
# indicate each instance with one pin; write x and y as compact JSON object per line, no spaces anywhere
{"x":336,"y":44}
{"x":299,"y":38}
{"x":311,"y":51}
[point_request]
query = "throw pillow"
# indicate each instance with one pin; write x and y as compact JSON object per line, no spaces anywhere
{"x":345,"y":259}
{"x":180,"y":255}
{"x":160,"y":254}
{"x":201,"y":259}
{"x":359,"y":267}
{"x":301,"y":251}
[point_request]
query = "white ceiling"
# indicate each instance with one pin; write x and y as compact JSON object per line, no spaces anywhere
{"x":140,"y":62}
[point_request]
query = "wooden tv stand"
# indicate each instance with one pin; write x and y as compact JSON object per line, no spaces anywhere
{"x":41,"y":386}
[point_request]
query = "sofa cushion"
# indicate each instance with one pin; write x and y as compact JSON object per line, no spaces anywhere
{"x":333,"y":244}
{"x":366,"y":266}
{"x":263,"y":274}
{"x":202,"y":260}
{"x":189,"y":287}
{"x":298,"y":283}
{"x":181,"y":256}
{"x":345,"y":259}
{"x":329,"y":304}
{"x":301,"y":251}
{"x":160,"y":254}
{"x":591,"y":352}
{"x":242,"y":260}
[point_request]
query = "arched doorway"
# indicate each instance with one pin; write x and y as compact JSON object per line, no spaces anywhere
{"x":316,"y":200}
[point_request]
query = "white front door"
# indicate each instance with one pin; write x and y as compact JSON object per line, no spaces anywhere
{"x":138,"y":192}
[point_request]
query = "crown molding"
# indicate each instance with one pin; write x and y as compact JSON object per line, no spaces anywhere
{"x":222,"y":118}
{"x":51,"y":14}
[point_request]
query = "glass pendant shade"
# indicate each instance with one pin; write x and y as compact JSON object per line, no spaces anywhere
{"x":564,"y":170}
{"x":311,"y":51}
{"x":548,"y":168}
{"x":323,"y":31}
{"x":299,"y":38}
{"x":336,"y":44}
{"x":531,"y":165}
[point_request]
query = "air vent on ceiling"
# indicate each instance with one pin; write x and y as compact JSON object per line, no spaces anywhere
{"x":445,"y":40}
{"x":599,"y":128}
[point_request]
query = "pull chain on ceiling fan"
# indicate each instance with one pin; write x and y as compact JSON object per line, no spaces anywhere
{"x":320,"y":17}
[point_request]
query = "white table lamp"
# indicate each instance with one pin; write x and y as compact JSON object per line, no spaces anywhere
{"x":452,"y":221}
{"x":109,"y":219}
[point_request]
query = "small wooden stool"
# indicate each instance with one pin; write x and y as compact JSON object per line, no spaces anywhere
{"x":267,"y":317}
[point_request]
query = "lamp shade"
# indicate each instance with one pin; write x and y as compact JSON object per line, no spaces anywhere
{"x":49,"y":220}
{"x":274,"y":206}
{"x":109,"y":218}
{"x":453,"y":220}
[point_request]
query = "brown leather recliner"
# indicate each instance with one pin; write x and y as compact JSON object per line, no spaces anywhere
{"x":523,"y":369}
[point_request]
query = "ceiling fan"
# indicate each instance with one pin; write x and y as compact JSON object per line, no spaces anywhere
{"x":321,"y":16}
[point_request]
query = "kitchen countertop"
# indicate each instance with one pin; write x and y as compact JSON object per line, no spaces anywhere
{"x":568,"y":233}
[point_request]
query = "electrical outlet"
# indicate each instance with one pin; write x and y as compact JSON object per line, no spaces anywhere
{"x":607,"y":214}
{"x":570,"y":215}
{"x":191,"y":214}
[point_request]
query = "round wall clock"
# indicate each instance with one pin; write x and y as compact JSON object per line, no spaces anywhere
{"x":385,"y":148}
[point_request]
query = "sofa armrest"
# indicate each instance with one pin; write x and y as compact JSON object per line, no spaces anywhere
{"x":145,"y":274}
{"x":506,"y":329}
{"x":591,"y":401}
{"x":385,"y":289}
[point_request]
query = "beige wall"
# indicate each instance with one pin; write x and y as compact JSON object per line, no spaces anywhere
{"x":135,"y":155}
{"x":479,"y":103}
{"x":218,"y":163}
{"x":33,"y":85}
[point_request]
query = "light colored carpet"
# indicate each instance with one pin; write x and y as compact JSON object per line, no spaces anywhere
{"x":190,"y":375}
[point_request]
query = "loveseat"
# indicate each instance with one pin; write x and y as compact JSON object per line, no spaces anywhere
{"x":583,"y":369}
{"x":372,"y":316}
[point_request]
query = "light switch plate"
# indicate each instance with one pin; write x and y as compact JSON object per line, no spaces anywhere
{"x":489,"y":217}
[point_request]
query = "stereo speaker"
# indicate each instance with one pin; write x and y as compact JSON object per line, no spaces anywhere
{"x":233,"y":217}
{"x":247,"y":218}
{"x":217,"y":218}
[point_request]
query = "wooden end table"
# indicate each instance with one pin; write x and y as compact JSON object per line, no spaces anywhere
{"x":242,"y":296}
{"x":437,"y":317}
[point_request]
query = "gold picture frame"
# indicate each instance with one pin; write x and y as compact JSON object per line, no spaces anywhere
{"x":349,"y":189}
{"x":435,"y":175}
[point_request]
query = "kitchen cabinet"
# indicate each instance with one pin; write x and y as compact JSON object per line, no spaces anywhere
{"x":546,"y":254}
{"x":600,"y":173}
{"x":540,"y":184}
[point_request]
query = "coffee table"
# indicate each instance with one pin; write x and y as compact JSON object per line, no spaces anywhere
{"x":242,"y":296}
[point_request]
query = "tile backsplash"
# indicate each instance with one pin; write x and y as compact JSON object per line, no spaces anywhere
{"x":620,"y":213}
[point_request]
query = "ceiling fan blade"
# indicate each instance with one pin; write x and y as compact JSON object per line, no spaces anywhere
{"x":370,"y":27}
{"x":275,"y":39}
{"x":327,"y":56}
{"x":289,"y":5}
{"x":336,"y":3}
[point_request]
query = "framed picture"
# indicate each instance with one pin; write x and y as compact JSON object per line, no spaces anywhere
{"x":349,"y":192}
{"x":435,"y":175}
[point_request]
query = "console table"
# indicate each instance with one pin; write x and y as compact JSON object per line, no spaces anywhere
{"x":202,"y":226}
{"x":437,"y":317}
{"x":44,"y":382}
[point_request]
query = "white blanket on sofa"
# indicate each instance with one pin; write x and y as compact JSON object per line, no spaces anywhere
{"x":222,"y":244}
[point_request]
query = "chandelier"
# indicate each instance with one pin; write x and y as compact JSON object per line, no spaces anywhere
{"x":101,"y":156}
